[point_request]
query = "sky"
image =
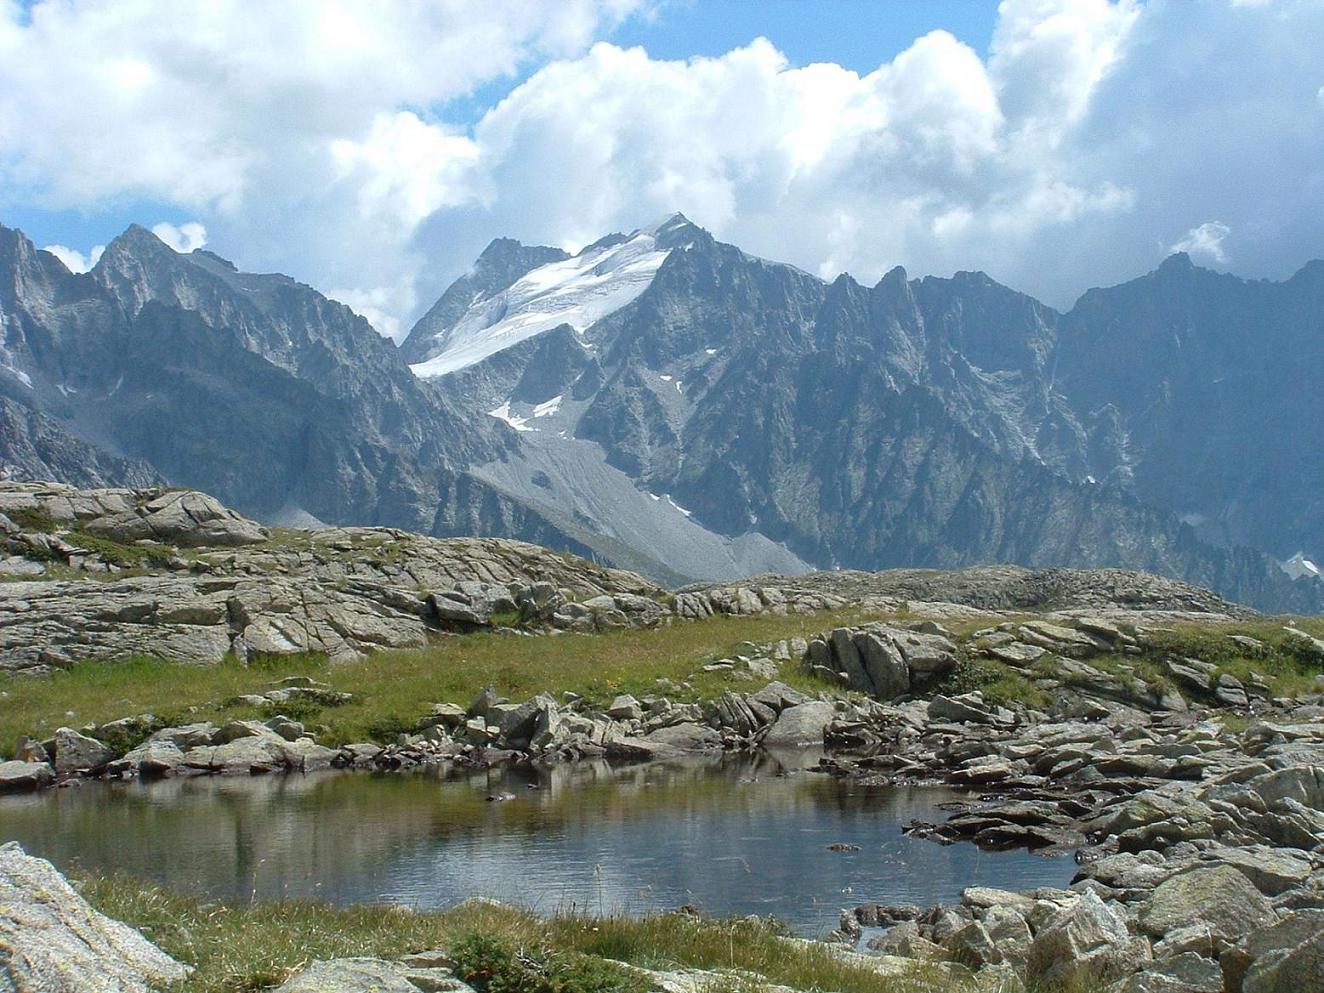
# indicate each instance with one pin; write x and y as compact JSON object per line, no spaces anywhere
{"x":372,"y":148}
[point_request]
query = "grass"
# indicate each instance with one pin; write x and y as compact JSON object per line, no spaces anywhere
{"x":147,"y":556}
{"x":34,"y":519}
{"x":393,"y":689}
{"x":245,"y":948}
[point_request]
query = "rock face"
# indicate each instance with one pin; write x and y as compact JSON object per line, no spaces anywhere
{"x":217,"y":583}
{"x":51,"y":941}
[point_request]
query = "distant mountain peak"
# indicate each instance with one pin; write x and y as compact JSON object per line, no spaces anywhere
{"x":135,"y":243}
{"x":1177,"y":262}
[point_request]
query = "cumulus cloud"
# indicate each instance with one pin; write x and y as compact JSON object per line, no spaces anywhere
{"x":182,"y":239}
{"x":73,"y":259}
{"x":1206,"y":240}
{"x":324,"y":144}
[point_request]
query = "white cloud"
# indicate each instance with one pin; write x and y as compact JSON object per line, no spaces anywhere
{"x":1207,"y":240}
{"x":314,"y":138}
{"x":183,"y":239}
{"x":73,"y":259}
{"x":295,"y":130}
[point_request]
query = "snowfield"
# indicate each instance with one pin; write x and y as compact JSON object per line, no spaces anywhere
{"x":579,"y":292}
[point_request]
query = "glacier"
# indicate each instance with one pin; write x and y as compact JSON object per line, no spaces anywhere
{"x":579,"y":292}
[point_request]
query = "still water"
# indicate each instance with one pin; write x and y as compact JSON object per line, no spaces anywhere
{"x":734,"y":835}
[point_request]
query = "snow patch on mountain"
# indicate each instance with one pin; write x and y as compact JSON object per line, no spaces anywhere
{"x":9,"y":365}
{"x":1300,"y":567}
{"x":503,"y":413}
{"x":579,"y":292}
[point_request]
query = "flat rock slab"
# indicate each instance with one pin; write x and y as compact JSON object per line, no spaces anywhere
{"x":52,"y":941}
{"x":371,"y":976}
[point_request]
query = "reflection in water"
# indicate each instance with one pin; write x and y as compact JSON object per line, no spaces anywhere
{"x":733,"y":835}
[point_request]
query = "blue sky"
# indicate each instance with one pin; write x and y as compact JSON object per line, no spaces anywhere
{"x":373,"y":147}
{"x":858,"y":34}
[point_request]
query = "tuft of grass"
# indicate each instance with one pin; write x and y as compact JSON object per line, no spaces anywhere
{"x":152,"y":556}
{"x":496,"y":964}
{"x":34,"y":519}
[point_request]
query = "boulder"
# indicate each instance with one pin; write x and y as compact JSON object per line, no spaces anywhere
{"x":243,"y":755}
{"x":1271,"y":870}
{"x":518,"y":724}
{"x":20,"y":777}
{"x":150,"y":759}
{"x":1301,"y":783}
{"x":1291,"y":971}
{"x":777,"y":697}
{"x":1184,"y":973}
{"x":968,"y":708}
{"x":1275,"y":940}
{"x":800,"y":725}
{"x":1086,"y":942}
{"x":669,"y":742}
{"x":52,"y":941}
{"x":1219,"y":896}
{"x":76,"y":753}
{"x":887,"y":667}
{"x":846,"y":658}
{"x":625,"y":708}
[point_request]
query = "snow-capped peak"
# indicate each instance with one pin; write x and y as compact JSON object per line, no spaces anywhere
{"x":579,"y":291}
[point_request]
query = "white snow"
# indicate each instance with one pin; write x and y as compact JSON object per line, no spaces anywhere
{"x":665,"y":379}
{"x":580,"y":292}
{"x":1300,"y":567}
{"x":503,"y":413}
{"x":710,"y":351}
{"x":673,"y":503}
{"x":7,"y":365}
{"x":548,"y":408}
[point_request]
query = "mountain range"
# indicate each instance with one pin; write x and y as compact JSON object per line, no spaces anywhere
{"x":674,"y":405}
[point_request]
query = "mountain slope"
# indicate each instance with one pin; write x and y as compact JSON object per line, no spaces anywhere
{"x":255,"y":387}
{"x":1216,"y":380}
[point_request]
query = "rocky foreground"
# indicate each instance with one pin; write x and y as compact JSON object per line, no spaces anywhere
{"x":1174,"y":741}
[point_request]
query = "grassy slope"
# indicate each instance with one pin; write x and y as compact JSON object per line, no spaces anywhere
{"x":393,"y":689}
